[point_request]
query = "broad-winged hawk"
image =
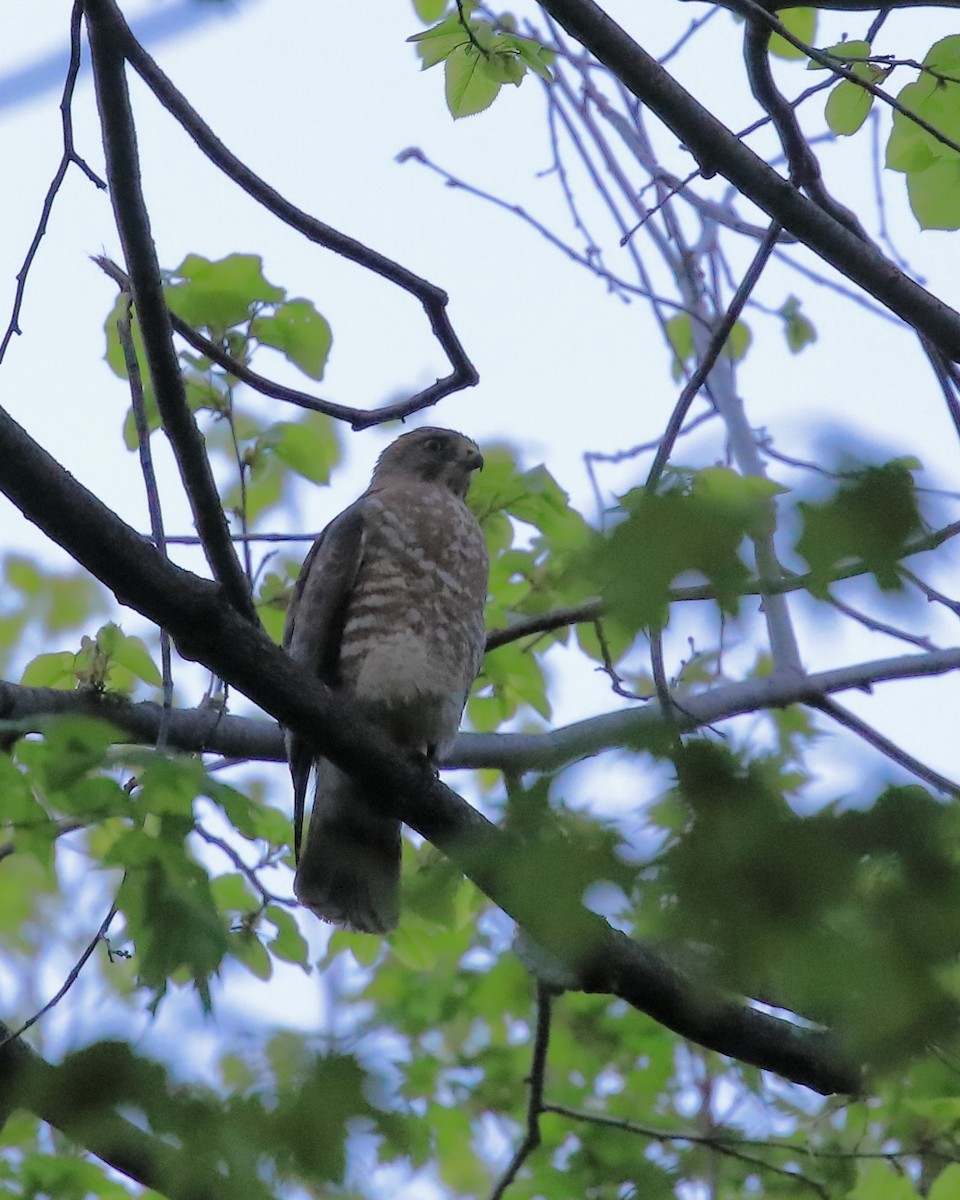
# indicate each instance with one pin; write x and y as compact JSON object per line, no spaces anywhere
{"x":389,"y":608}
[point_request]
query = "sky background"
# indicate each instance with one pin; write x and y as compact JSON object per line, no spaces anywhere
{"x":319,"y":99}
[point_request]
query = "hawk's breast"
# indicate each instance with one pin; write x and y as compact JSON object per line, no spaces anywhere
{"x":413,"y":633}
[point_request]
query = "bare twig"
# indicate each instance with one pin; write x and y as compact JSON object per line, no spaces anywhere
{"x":249,"y":873}
{"x":71,"y":979}
{"x":413,"y":154}
{"x":535,"y":1107}
{"x":717,"y":150}
{"x":153,"y":494}
{"x":718,"y":339}
{"x":873,"y":737}
{"x":69,"y":156}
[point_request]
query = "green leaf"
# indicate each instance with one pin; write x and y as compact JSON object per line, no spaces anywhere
{"x":696,"y":526}
{"x":308,"y":446}
{"x":738,"y":342}
{"x":680,"y":332}
{"x":797,"y":329}
{"x":429,"y":10}
{"x":469,"y":84}
{"x":436,"y":44}
{"x":934,"y":194}
{"x":946,"y":1186}
{"x":944,"y":55}
{"x":881,"y":1181}
{"x":299,"y":332}
{"x":289,"y":944}
{"x":232,"y":894}
{"x":131,"y":652}
{"x":217,"y":295}
{"x":171,"y":915}
{"x":55,"y":669}
{"x":871,"y":518}
{"x":848,"y":106}
{"x":247,"y":948}
{"x":538,"y":58}
{"x":802,"y":23}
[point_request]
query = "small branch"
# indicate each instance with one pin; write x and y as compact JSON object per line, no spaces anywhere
{"x":730,"y":1147}
{"x":753,"y":11}
{"x":358,"y":418}
{"x":535,"y":1107}
{"x":71,"y":979}
{"x":249,"y":873}
{"x":432,"y":298}
{"x":145,"y":452}
{"x":871,"y":623}
{"x":718,"y":339}
{"x":69,"y":156}
{"x":873,"y":737}
{"x":205,"y":731}
{"x":592,"y":264}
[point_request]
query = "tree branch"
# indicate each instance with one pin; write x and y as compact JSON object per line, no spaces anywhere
{"x":432,"y":298}
{"x":133,"y":225}
{"x":209,"y":731}
{"x":718,"y":150}
{"x":204,"y":629}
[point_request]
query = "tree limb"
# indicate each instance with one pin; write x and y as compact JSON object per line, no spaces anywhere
{"x":210,"y":731}
{"x":133,"y":225}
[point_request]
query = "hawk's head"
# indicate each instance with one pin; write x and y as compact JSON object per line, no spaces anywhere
{"x":431,"y":455}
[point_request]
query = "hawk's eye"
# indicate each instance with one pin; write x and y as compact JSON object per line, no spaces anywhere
{"x":434,"y":445}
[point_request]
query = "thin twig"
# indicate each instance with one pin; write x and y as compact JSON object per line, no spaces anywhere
{"x":717,"y":341}
{"x":413,"y":154}
{"x":725,"y":1146}
{"x":249,"y":873}
{"x":877,"y":626}
{"x":535,"y":1104}
{"x":68,"y":983}
{"x":69,"y":156}
{"x":873,"y":737}
{"x":154,"y":508}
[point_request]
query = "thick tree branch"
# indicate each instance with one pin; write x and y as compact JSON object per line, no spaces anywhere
{"x":717,"y":149}
{"x":133,"y":225}
{"x":432,"y":298}
{"x":206,"y":629}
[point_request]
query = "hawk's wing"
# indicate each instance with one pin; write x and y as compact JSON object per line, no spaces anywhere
{"x":314,"y":627}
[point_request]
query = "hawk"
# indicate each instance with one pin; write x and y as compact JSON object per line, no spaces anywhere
{"x":388,"y":608}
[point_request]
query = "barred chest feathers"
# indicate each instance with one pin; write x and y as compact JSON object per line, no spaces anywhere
{"x":413,"y":634}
